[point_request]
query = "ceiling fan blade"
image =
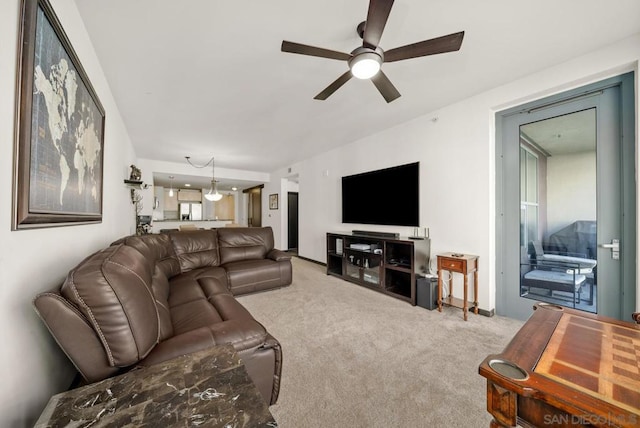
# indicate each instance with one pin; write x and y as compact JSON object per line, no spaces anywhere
{"x":443,"y":44}
{"x":299,"y":48}
{"x":384,"y":85}
{"x":376,"y":20}
{"x":334,"y":86}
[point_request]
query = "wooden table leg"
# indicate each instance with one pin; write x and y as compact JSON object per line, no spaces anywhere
{"x":466,"y":296}
{"x":502,"y":404}
{"x":439,"y":290}
{"x":475,"y":292}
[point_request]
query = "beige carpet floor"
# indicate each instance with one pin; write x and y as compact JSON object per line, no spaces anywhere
{"x":354,"y":357}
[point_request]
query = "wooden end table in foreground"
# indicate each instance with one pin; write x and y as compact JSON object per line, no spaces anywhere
{"x":566,"y":368}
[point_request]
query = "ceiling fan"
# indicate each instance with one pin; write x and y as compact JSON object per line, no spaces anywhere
{"x":364,"y":62}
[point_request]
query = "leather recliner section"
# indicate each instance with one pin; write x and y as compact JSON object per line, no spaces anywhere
{"x":112,"y":289}
{"x":146,"y":299}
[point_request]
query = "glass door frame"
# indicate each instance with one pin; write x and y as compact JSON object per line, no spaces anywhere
{"x":505,"y":171}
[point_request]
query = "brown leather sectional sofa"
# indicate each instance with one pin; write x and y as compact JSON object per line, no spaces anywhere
{"x":146,"y":299}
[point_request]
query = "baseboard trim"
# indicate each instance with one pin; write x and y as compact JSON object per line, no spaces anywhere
{"x":310,"y":260}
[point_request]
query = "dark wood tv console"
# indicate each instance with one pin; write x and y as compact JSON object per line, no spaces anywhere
{"x":387,"y":265}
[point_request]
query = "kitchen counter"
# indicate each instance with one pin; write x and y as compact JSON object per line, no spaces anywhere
{"x":157,"y":225}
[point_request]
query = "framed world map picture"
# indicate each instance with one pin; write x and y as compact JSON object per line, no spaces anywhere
{"x":58,"y":164}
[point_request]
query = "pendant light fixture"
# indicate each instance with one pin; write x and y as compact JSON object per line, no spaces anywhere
{"x":171,"y":186}
{"x":213,"y":194}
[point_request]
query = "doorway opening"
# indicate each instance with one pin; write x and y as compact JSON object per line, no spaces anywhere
{"x":566,"y":216}
{"x":254,"y":205}
{"x":292,"y":222}
{"x":558,"y":210}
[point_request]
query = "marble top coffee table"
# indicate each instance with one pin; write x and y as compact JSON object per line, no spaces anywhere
{"x":207,"y":388}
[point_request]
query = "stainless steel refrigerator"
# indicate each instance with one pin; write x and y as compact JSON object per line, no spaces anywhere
{"x":190,"y":211}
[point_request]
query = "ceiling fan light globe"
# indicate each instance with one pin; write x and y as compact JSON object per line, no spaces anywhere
{"x":365,"y":65}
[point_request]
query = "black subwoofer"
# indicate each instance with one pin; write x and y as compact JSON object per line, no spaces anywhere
{"x":427,"y":293}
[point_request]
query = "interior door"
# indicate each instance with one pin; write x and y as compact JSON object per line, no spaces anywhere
{"x":292,"y":223}
{"x":566,"y":229}
{"x":254,"y":206}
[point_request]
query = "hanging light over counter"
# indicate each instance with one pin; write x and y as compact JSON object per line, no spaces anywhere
{"x":171,"y":186}
{"x":213,"y":195}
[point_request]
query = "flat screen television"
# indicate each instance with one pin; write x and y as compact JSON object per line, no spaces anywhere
{"x":387,"y":196}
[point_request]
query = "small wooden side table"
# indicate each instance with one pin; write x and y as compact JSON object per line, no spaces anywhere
{"x":464,"y":264}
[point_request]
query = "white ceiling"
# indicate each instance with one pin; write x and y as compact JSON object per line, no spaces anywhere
{"x":181,"y":181}
{"x":568,"y":134}
{"x":204,"y":77}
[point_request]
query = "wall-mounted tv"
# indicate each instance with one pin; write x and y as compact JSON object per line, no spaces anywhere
{"x":387,"y":196}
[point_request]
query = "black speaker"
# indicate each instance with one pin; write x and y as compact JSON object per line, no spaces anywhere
{"x":427,"y":293}
{"x":376,"y":234}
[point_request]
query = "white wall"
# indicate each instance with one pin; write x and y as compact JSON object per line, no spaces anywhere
{"x":275,"y":218}
{"x":456,"y":150}
{"x":571,"y":190}
{"x":32,"y":366}
{"x":158,"y":213}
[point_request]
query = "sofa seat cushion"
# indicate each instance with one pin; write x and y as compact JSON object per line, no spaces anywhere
{"x":196,"y":284}
{"x":248,"y":276}
{"x":217,"y":273}
{"x":204,"y":314}
{"x":192,"y":315}
{"x":554,"y":280}
{"x":579,"y":264}
{"x":201,"y":299}
{"x":243,"y":334}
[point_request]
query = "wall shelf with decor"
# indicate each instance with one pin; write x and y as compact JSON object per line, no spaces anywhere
{"x":134,"y":183}
{"x":388,"y":265}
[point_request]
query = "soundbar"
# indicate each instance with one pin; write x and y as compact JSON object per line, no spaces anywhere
{"x":376,"y":234}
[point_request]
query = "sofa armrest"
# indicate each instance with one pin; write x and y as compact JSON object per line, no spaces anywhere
{"x":75,"y":336}
{"x":278,"y":255}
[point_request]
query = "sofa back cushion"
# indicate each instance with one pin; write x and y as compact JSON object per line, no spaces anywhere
{"x":158,"y":250}
{"x":244,"y":243}
{"x":112,"y":289}
{"x":196,"y":248}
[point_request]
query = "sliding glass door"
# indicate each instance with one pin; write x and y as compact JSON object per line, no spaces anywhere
{"x":566,"y":183}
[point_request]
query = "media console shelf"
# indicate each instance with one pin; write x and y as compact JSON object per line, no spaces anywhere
{"x":387,"y":265}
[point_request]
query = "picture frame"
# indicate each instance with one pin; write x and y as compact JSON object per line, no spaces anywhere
{"x":273,"y":201}
{"x":59,"y":145}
